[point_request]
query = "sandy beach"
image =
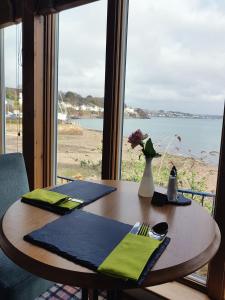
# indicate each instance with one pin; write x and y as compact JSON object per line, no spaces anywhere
{"x":85,"y":148}
{"x":79,"y":156}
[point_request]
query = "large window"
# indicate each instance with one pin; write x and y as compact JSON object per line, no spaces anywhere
{"x":13,"y":88}
{"x":175,"y":92}
{"x":81,"y":90}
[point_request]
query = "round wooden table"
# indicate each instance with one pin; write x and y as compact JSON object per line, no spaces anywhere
{"x":195,"y":238}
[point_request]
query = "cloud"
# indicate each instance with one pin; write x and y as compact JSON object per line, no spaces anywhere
{"x":82,"y":43}
{"x":11,"y":35}
{"x":175,"y":55}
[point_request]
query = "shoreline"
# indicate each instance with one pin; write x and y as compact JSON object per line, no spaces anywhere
{"x":152,"y":117}
{"x":80,"y":153}
{"x":84,"y":151}
{"x":182,"y":155}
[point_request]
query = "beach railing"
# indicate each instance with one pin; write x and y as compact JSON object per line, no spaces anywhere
{"x":62,"y":179}
{"x":204,"y":198}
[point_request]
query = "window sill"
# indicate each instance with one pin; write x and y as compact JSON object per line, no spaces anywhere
{"x":171,"y":290}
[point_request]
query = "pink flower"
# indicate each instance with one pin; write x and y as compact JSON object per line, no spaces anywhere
{"x":136,"y":138}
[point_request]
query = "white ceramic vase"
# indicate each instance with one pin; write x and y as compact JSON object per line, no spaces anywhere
{"x":147,"y":187}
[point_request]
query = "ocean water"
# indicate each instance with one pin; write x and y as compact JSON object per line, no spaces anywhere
{"x":200,"y":138}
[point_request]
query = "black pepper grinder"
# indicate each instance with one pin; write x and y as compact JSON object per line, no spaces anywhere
{"x":172,"y":185}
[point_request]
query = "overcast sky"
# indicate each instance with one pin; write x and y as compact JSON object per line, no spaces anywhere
{"x":175,"y":54}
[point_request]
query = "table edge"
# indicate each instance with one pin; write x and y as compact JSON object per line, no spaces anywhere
{"x":96,"y":280}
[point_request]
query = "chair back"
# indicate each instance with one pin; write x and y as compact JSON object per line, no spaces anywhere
{"x":13,"y":179}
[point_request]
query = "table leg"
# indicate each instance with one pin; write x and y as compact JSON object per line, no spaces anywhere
{"x":110,"y":295}
{"x":93,"y":294}
{"x":84,"y":294}
{"x":114,"y":294}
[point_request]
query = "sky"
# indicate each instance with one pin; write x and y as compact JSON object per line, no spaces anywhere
{"x":175,"y":54}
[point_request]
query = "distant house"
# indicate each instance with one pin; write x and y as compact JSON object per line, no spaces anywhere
{"x":129,"y":110}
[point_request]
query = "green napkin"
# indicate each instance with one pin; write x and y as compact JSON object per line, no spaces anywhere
{"x":129,"y":257}
{"x":45,"y":196}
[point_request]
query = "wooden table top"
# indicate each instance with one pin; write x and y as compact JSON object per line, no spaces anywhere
{"x":195,"y":238}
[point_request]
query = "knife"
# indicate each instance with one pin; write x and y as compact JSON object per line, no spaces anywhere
{"x":75,"y":200}
{"x":135,"y":228}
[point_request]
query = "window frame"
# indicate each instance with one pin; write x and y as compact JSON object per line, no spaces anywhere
{"x":116,"y":42}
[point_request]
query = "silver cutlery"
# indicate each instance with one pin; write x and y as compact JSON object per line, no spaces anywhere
{"x":75,"y":200}
{"x":158,"y":231}
{"x":135,"y":228}
{"x":144,"y":229}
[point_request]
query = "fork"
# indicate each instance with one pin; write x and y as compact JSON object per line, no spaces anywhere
{"x":144,"y":229}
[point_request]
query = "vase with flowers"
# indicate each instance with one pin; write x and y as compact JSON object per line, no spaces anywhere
{"x":137,"y":138}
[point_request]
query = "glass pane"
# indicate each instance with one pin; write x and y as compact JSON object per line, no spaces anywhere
{"x":13,"y":84}
{"x":175,"y":92}
{"x":82,"y":39}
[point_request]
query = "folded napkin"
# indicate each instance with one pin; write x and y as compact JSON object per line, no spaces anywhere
{"x":130,"y":257}
{"x":160,"y":199}
{"x":45,"y":196}
{"x":50,"y":200}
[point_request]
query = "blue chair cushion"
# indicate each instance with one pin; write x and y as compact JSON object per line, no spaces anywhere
{"x":15,"y":283}
{"x":13,"y":179}
{"x":18,"y":284}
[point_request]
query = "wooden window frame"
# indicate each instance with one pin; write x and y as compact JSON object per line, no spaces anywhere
{"x":116,"y":43}
{"x":50,"y":97}
{"x":39,"y":105}
{"x":216,"y":272}
{"x":33,"y":104}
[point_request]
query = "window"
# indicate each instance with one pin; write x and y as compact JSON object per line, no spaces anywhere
{"x":175,"y":92}
{"x":13,"y":88}
{"x":81,"y":90}
{"x":175,"y":33}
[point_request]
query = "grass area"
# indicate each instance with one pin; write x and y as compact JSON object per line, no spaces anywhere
{"x":132,"y":170}
{"x":187,"y":179}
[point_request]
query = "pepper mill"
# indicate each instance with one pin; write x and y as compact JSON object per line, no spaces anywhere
{"x":172,"y":185}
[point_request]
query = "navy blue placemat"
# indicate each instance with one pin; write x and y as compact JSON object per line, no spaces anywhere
{"x":80,"y":189}
{"x":85,"y":238}
{"x":81,"y":237}
{"x":84,"y":190}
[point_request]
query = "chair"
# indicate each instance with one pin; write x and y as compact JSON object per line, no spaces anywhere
{"x":15,"y":283}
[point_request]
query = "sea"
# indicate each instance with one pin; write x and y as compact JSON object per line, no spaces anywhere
{"x":197,"y":138}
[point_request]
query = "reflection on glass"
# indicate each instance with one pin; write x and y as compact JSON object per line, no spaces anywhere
{"x":13,"y":88}
{"x":81,"y":89}
{"x":175,"y":92}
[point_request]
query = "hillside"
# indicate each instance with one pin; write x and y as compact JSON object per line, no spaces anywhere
{"x":76,"y":103}
{"x":77,"y":100}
